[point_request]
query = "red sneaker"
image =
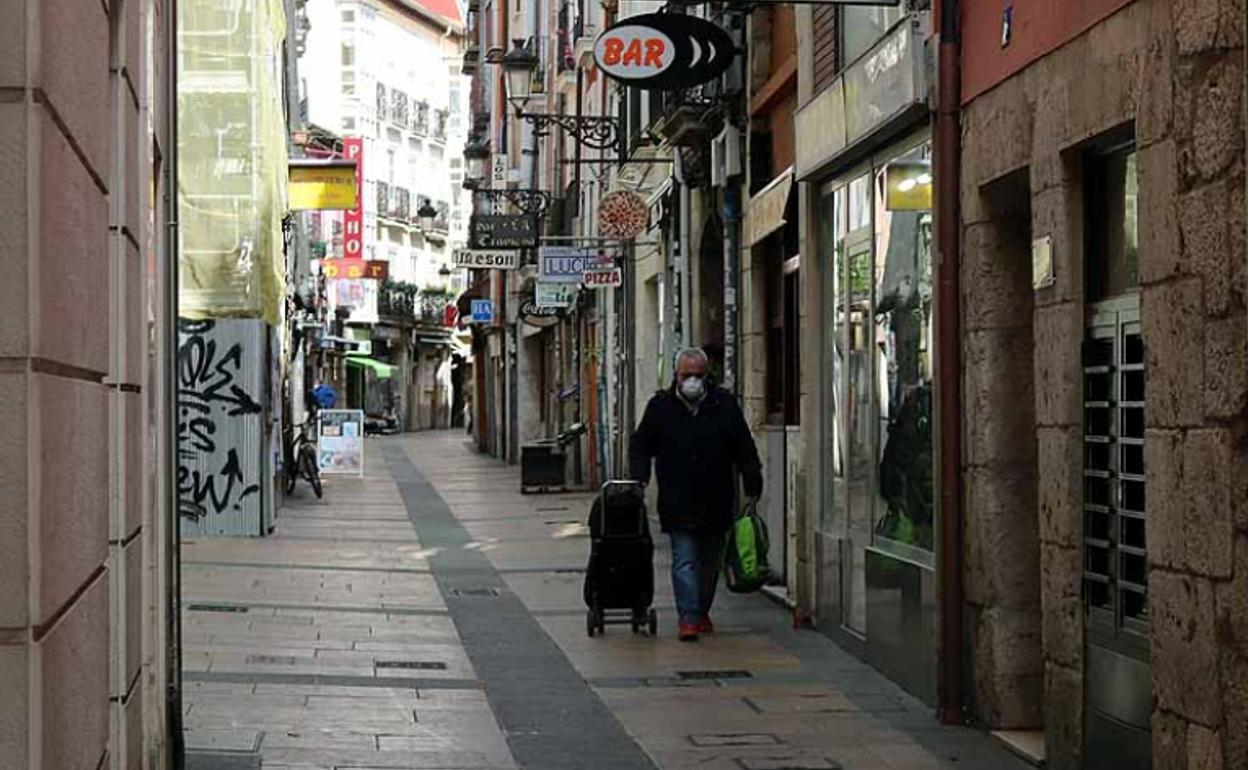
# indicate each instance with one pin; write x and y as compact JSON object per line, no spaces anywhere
{"x":687,"y":632}
{"x":706,"y":626}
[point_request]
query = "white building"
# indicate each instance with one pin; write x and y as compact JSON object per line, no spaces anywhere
{"x":389,"y":71}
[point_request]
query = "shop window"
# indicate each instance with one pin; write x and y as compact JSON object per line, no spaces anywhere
{"x":875,"y":239}
{"x":1115,"y":549}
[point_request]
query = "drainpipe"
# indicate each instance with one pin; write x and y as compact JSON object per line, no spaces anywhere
{"x":950,"y":667}
{"x":173,"y":539}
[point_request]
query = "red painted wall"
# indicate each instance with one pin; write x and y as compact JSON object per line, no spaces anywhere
{"x":1039,"y":26}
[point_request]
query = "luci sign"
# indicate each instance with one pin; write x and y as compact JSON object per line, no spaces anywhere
{"x":664,"y":51}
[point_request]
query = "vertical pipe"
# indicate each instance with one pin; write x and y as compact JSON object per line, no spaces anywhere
{"x":173,"y":539}
{"x":950,"y":666}
{"x":686,"y":271}
{"x":732,"y":252}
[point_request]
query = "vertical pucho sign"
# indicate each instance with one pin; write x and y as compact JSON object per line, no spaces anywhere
{"x":353,"y":219}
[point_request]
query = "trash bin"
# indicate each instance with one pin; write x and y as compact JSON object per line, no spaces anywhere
{"x":543,"y":463}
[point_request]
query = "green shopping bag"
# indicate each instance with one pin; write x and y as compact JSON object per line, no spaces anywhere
{"x":745,"y":558}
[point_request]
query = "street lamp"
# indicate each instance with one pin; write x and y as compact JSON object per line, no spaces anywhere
{"x":519,"y":67}
{"x":426,"y":214}
{"x":476,"y":153}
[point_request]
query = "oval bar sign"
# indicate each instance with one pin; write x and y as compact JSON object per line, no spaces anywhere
{"x":663,"y":51}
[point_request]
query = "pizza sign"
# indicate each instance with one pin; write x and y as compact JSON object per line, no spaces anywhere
{"x":623,"y":214}
{"x":664,"y":51}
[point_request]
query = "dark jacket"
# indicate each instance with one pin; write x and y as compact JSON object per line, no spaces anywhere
{"x":696,"y":457}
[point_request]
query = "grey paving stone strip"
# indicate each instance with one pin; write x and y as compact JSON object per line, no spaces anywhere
{"x":550,"y":716}
{"x":332,"y":680}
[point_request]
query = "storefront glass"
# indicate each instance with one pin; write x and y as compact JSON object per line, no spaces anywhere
{"x":876,"y":237}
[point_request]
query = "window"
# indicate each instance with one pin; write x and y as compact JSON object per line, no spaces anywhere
{"x":348,"y":16}
{"x":348,"y":124}
{"x":348,"y":89}
{"x":348,"y":54}
{"x":862,"y":27}
{"x":1113,"y":245}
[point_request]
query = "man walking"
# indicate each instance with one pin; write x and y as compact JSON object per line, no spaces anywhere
{"x":698,"y":439}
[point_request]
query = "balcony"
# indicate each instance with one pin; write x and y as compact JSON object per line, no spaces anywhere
{"x":399,"y":109}
{"x":439,"y":125}
{"x":383,"y":103}
{"x":680,"y":116}
{"x":400,"y":204}
{"x":406,"y":302}
{"x":472,"y":59}
{"x":382,"y":199}
{"x":420,"y":119}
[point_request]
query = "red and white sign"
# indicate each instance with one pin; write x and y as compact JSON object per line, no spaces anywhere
{"x":634,"y":52}
{"x":353,"y":219}
{"x":603,"y":279}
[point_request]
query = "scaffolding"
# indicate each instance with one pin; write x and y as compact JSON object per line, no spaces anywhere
{"x":232,"y":158}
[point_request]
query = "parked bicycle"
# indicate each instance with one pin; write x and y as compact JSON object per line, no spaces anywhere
{"x":301,"y":460}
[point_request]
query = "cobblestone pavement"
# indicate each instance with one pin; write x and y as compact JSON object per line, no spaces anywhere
{"x":429,"y":616}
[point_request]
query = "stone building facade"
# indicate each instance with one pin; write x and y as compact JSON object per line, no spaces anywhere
{"x":81,"y":462}
{"x":1105,"y":513}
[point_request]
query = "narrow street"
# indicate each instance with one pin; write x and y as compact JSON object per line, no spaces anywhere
{"x":430,"y":616}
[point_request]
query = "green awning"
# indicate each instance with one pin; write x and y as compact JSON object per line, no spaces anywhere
{"x":383,"y":370}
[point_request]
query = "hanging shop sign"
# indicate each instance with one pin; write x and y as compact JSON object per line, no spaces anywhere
{"x":554,"y":295}
{"x":353,"y":219}
{"x":567,"y":264}
{"x":490,"y":259}
{"x":622,"y":214}
{"x":541,"y":316}
{"x":603,"y":279}
{"x":664,"y":51}
{"x":375,"y":269}
{"x":340,"y":441}
{"x":321,"y":184}
{"x":502,"y":231}
{"x":482,"y":311}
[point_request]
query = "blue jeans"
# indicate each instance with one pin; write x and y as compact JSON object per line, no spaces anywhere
{"x":696,"y":558}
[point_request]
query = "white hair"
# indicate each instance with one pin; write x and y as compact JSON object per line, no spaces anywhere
{"x":698,"y":355}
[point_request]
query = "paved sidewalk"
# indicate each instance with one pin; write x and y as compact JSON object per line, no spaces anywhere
{"x":429,"y":616}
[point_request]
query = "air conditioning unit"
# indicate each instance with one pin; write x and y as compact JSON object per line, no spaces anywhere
{"x":726,"y":161}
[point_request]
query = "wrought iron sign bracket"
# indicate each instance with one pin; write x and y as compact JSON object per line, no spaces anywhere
{"x":535,"y":202}
{"x":596,"y":132}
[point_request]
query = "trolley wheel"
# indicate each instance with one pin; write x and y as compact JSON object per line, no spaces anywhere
{"x":602,"y":621}
{"x":654,"y":623}
{"x":590,"y":623}
{"x":637,"y":621}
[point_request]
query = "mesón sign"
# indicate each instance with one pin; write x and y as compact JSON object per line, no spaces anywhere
{"x":664,"y":51}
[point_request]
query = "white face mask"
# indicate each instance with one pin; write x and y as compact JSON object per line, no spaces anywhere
{"x":693,"y":388}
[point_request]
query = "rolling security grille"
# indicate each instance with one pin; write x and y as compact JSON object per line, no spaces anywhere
{"x":1115,"y":560}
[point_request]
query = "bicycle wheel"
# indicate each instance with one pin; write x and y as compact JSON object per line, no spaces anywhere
{"x":312,"y":472}
{"x":291,"y":477}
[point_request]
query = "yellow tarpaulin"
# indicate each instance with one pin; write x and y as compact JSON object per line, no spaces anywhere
{"x":232,"y":158}
{"x":322,"y":185}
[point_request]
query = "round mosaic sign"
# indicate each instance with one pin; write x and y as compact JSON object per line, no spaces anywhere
{"x":622,"y":214}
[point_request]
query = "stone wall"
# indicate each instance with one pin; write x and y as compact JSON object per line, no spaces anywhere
{"x":76,"y":526}
{"x":1176,"y":71}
